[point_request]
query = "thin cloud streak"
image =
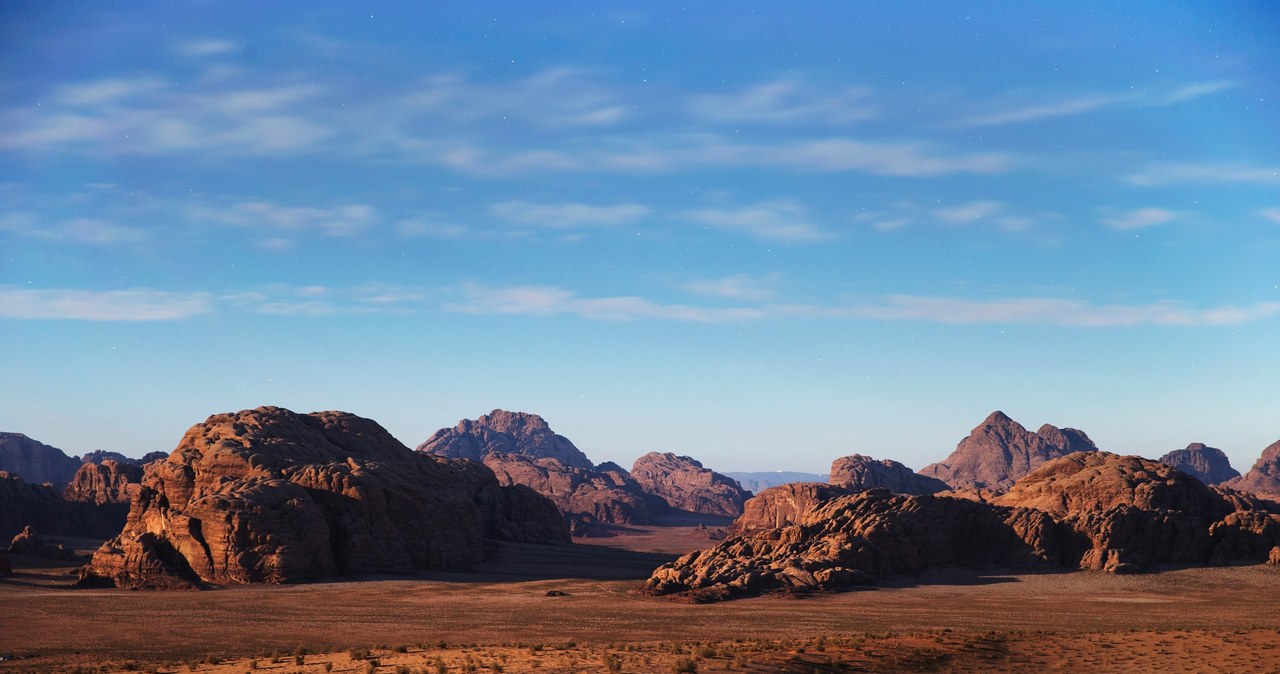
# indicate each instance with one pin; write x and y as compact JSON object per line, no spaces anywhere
{"x":1087,"y":104}
{"x":782,"y":220}
{"x":1173,"y":173}
{"x":1139,"y":218}
{"x":568,"y":215}
{"x":136,"y":305}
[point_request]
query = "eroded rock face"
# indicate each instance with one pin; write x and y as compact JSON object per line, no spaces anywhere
{"x":103,"y":483}
{"x":100,"y":455}
{"x":999,"y":451}
{"x":35,"y":461}
{"x":1207,"y":464}
{"x":584,"y":496}
{"x":685,"y":484}
{"x":784,"y":505}
{"x":521,"y":449}
{"x":269,"y":495}
{"x":1089,"y":510}
{"x":1264,"y":477}
{"x":863,"y":472}
{"x":503,"y":432}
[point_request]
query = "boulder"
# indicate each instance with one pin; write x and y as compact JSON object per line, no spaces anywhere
{"x":1207,"y":464}
{"x":999,"y":451}
{"x":863,"y":472}
{"x":683,"y":483}
{"x":35,"y":461}
{"x":272,"y":496}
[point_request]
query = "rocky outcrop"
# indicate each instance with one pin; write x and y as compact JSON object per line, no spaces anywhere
{"x":1264,"y":477}
{"x":503,"y":432}
{"x":29,"y":542}
{"x":863,"y":472}
{"x":1089,"y":510}
{"x":683,"y":483}
{"x":103,"y":483}
{"x":152,"y":456}
{"x":37,"y":505}
{"x":999,"y":451}
{"x":584,"y":496}
{"x":100,"y":455}
{"x":784,"y":505}
{"x":35,"y":461}
{"x":268,"y":495}
{"x":1207,"y":464}
{"x":521,"y":449}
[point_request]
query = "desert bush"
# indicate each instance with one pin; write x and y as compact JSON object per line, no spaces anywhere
{"x":685,"y":666}
{"x":402,"y":648}
{"x":612,"y":663}
{"x":359,"y":653}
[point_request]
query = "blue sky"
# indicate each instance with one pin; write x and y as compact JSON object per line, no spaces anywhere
{"x":762,"y":235}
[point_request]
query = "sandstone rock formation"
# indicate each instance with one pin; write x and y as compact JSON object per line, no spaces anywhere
{"x":1264,"y":477}
{"x":100,"y":455}
{"x":103,"y":483}
{"x":38,"y":506}
{"x":1089,"y":510}
{"x":29,"y":542}
{"x":685,"y":484}
{"x":783,"y":505}
{"x":1207,"y":464}
{"x":999,"y":451}
{"x":503,"y":432}
{"x":35,"y":461}
{"x":268,"y":495}
{"x":863,"y":472}
{"x":584,"y":496}
{"x":521,"y":448}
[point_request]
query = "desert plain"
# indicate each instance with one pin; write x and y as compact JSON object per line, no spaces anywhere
{"x":535,"y":608}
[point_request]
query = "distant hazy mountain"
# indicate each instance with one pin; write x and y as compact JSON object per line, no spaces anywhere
{"x":758,"y":482}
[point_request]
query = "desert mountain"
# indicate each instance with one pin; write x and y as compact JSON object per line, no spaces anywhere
{"x":999,"y":451}
{"x":35,"y":461}
{"x":784,"y":505}
{"x":1208,"y":464}
{"x":1089,"y":510}
{"x":269,"y":495}
{"x":503,"y":432}
{"x":37,"y":505}
{"x":102,"y":483}
{"x":521,"y":448}
{"x":863,"y":472}
{"x":758,"y":481}
{"x":1264,"y":477}
{"x":685,"y":484}
{"x":585,"y":496}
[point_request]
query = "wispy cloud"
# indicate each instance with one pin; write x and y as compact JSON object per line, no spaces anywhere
{"x":281,"y":221}
{"x":86,"y":231}
{"x":1272,"y":214}
{"x":555,"y":97}
{"x":1062,"y":312}
{"x":1173,"y":173}
{"x":552,"y":300}
{"x":968,"y":212}
{"x":1153,"y":97}
{"x":743,"y":287}
{"x":207,"y":47}
{"x":1139,"y":218}
{"x":568,"y":215}
{"x":430,"y":228}
{"x":319,"y":301}
{"x":786,"y":102}
{"x":102,"y":305}
{"x":781,"y":220}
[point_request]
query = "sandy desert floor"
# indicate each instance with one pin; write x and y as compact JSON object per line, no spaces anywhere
{"x":500,"y":618}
